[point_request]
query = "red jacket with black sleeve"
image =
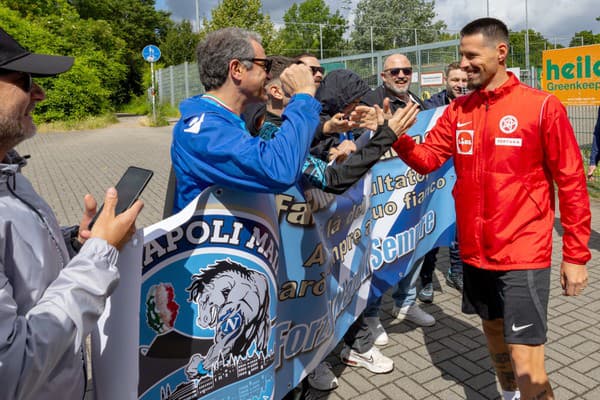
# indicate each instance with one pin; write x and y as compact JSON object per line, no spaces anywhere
{"x":509,"y":146}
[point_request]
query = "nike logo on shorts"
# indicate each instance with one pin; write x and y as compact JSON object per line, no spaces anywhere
{"x":520,"y":328}
{"x":461,"y":124}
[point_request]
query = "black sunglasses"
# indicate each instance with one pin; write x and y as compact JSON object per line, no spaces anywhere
{"x":267,"y":63}
{"x":396,"y":71}
{"x":317,"y":69}
{"x":313,"y":69}
{"x":24,"y":81}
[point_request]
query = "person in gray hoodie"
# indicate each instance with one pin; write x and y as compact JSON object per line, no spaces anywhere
{"x":53,"y":282}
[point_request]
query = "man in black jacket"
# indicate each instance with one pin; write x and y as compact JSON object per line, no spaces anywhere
{"x":396,"y":75}
{"x":339,"y":94}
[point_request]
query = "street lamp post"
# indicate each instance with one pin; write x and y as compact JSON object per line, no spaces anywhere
{"x":321,"y":39}
{"x":372,"y":50}
{"x":527,"y":46}
{"x":487,"y":9}
{"x":197,"y":16}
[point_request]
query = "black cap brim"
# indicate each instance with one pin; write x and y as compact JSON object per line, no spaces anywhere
{"x":40,"y":65}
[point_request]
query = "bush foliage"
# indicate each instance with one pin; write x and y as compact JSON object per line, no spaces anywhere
{"x":106,"y":73}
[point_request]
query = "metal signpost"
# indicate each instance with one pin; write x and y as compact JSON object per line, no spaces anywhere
{"x":151,"y":53}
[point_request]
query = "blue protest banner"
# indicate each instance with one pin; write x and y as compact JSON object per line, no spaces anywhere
{"x":243,"y":294}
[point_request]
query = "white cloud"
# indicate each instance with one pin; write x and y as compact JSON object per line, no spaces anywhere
{"x":556,"y":19}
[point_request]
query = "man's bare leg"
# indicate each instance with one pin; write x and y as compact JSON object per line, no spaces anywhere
{"x":530,"y":372}
{"x":494,"y":333}
{"x":518,"y":367}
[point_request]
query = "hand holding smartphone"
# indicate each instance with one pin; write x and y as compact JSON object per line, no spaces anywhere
{"x":129,"y":188}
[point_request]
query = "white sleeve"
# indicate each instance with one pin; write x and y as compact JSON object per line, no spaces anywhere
{"x":34,"y":346}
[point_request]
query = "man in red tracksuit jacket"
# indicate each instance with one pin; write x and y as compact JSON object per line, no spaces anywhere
{"x":510,"y":143}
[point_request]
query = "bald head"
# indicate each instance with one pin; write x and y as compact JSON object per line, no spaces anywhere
{"x":396,"y":59}
{"x":396,"y":75}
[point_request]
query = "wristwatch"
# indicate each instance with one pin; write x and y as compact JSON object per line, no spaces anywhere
{"x":75,"y":243}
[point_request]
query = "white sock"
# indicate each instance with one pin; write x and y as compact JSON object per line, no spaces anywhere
{"x":508,"y":395}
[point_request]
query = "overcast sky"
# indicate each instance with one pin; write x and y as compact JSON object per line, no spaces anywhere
{"x":555,"y":19}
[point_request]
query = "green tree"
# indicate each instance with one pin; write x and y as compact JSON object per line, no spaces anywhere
{"x":443,"y":36}
{"x":86,"y":88}
{"x":537,"y":44}
{"x":38,"y":8}
{"x":394,"y":24}
{"x":584,"y":38}
{"x":76,"y":94}
{"x":138,"y":23}
{"x":309,"y":22}
{"x":77,"y":37}
{"x":179,"y":44}
{"x":94,"y":44}
{"x":244,"y":14}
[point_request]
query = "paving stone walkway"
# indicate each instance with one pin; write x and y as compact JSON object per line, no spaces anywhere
{"x":446,"y":361}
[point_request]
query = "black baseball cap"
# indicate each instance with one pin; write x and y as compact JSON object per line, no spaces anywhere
{"x":14,"y":57}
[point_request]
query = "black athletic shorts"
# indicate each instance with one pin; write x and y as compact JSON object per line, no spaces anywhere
{"x":520,"y":297}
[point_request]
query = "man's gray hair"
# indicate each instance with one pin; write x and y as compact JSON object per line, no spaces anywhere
{"x":220,"y":47}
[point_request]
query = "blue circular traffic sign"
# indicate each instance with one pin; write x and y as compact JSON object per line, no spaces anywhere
{"x":151,"y":53}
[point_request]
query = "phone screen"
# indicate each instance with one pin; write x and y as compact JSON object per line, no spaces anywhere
{"x":129,"y":188}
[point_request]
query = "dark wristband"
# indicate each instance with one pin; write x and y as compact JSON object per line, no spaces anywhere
{"x":75,"y":243}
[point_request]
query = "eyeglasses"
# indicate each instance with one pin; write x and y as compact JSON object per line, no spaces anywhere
{"x":266,"y":63}
{"x":314,"y":69}
{"x":396,"y":71}
{"x":24,"y":80}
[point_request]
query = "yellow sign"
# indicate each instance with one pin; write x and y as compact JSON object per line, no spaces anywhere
{"x":573,"y":74}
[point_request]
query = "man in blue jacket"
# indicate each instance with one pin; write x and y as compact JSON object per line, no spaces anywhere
{"x":595,"y":154}
{"x":396,"y":75}
{"x":210,"y":142}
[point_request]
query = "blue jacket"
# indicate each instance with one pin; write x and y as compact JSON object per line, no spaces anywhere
{"x":595,"y":142}
{"x":437,"y":100}
{"x":212,"y":146}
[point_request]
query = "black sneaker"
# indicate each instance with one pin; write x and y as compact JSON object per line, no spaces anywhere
{"x":426,"y":294}
{"x":455,"y":280}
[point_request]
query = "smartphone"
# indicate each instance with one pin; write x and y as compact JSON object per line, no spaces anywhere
{"x":129,"y":188}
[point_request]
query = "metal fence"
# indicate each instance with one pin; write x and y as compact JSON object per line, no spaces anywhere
{"x":176,"y":83}
{"x":425,"y":58}
{"x":583,"y":119}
